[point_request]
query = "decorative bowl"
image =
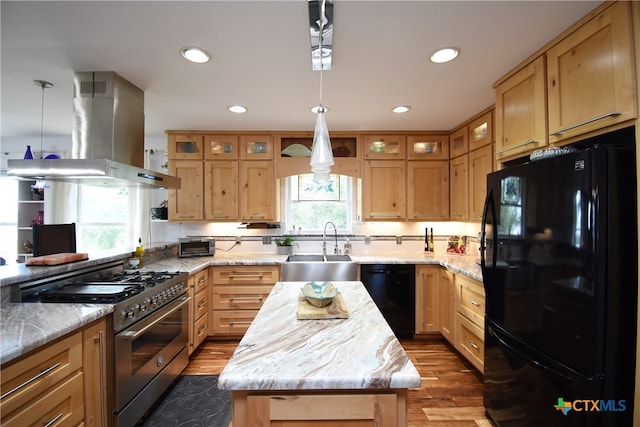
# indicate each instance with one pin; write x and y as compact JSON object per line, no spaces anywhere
{"x":319,"y":295}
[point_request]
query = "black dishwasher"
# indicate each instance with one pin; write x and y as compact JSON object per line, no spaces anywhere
{"x":392,"y":288}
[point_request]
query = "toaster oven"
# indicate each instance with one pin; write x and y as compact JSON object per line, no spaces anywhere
{"x":196,"y":246}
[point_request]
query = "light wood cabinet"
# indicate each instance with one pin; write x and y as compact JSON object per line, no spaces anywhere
{"x":427,"y":299}
{"x":470,"y":299}
{"x":481,"y":131}
{"x":185,"y":204}
{"x":447,"y":305}
{"x":221,"y":147}
{"x":480,"y":165}
{"x":459,"y":189}
{"x":427,"y":147}
{"x":258,"y":191}
{"x":520,"y":112}
{"x":94,"y":363}
{"x":185,"y":147}
{"x":63,"y":382}
{"x":428,"y":190}
{"x":384,"y":190}
{"x":199,"y":307}
{"x":459,"y":141}
{"x":590,"y":75}
{"x":30,"y":209}
{"x":384,"y":146}
{"x":221,"y":189}
{"x":256,"y":147}
{"x":237,"y":293}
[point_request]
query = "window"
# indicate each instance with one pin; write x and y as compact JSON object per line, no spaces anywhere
{"x":9,"y":219}
{"x":310,"y":204}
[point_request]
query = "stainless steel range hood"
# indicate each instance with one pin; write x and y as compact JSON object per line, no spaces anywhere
{"x":107,"y":139}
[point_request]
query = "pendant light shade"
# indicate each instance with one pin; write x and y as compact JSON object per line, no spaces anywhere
{"x":321,"y":154}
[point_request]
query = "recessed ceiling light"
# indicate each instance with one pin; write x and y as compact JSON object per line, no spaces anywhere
{"x":315,"y":109}
{"x":445,"y":55}
{"x":237,"y":109}
{"x":401,"y":109}
{"x":195,"y":54}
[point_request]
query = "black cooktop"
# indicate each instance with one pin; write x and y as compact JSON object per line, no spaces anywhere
{"x":93,"y":292}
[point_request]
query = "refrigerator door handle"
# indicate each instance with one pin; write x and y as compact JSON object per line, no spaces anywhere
{"x":534,"y":361}
{"x":488,"y":204}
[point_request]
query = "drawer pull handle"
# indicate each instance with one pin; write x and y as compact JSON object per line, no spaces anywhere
{"x":586,"y":122}
{"x":202,"y":330}
{"x":239,"y":322}
{"x":255,"y":298}
{"x":474,"y":345}
{"x":522,"y":144}
{"x":246,"y":276}
{"x":202,"y":304}
{"x":30,"y":380}
{"x":202,"y":280}
{"x":385,"y":215}
{"x":476,"y":303}
{"x":52,"y":422}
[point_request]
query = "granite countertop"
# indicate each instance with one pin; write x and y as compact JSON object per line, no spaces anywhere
{"x":279,"y":352}
{"x":27,"y":326}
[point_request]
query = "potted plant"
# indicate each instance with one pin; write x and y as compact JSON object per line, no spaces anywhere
{"x":284,"y":245}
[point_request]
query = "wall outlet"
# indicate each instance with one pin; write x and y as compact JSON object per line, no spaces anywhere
{"x":266,"y":240}
{"x":367,"y":240}
{"x":238,"y":240}
{"x":398,"y":240}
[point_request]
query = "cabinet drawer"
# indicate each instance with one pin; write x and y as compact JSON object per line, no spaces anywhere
{"x":471,"y":341}
{"x":232,"y":322}
{"x":201,"y":280}
{"x":472,"y":305}
{"x":200,"y":304}
{"x":258,"y":274}
{"x":59,"y":405}
{"x":200,"y":331}
{"x":240,"y":297}
{"x":31,"y":376}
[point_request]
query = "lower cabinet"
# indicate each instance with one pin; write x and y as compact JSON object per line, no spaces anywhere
{"x":427,"y":299}
{"x":237,"y":293}
{"x":63,"y":383}
{"x":198,"y":319}
{"x":447,"y":306}
{"x":470,"y":310}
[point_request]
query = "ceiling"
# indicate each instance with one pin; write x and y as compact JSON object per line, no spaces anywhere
{"x":262,"y":60}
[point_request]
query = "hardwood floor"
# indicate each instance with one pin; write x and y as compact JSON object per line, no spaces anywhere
{"x":450,"y":394}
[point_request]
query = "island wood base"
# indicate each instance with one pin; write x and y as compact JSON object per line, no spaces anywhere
{"x":353,"y":408}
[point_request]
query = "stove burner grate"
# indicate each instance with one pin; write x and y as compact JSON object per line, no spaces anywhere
{"x":93,"y":293}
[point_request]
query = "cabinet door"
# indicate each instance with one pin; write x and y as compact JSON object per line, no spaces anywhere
{"x":384,"y":190}
{"x":428,"y":184}
{"x":95,"y":374}
{"x":447,"y":307}
{"x":520,"y":111}
{"x":221,"y":190}
{"x":480,"y":165}
{"x":427,"y":299}
{"x":481,"y":131}
{"x":185,"y":204}
{"x":428,"y":147}
{"x":257,"y":191}
{"x":221,"y":147}
{"x":256,"y":147}
{"x":459,"y":194}
{"x":591,"y":75}
{"x":390,"y":146}
{"x":459,"y":142}
{"x":185,"y":147}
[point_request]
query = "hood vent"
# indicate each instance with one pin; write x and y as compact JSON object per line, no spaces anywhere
{"x":107,"y":140}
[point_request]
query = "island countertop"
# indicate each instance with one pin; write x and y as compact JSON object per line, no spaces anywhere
{"x":280,"y":352}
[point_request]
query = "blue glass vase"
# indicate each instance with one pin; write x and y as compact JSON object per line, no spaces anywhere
{"x":28,"y":154}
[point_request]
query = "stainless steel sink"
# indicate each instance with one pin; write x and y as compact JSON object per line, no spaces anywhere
{"x":319,"y":267}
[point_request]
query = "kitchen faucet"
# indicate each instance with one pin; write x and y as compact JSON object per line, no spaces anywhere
{"x":324,"y":235}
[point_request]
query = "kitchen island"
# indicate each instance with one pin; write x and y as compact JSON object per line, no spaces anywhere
{"x":319,"y":372}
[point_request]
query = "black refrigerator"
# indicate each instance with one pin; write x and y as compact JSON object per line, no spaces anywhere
{"x":559,"y":262}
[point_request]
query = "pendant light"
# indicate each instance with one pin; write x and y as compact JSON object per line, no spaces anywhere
{"x":321,"y":154}
{"x":44,"y":85}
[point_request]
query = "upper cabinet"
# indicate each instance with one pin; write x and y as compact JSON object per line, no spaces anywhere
{"x":221,"y":147}
{"x":590,"y":75}
{"x":390,"y":147}
{"x":256,"y":147}
{"x":427,"y":147}
{"x":185,"y":147}
{"x":459,"y":141}
{"x":520,"y":111}
{"x":384,"y":190}
{"x":481,"y":131}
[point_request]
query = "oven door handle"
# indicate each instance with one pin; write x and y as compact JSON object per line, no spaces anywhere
{"x":131,"y":334}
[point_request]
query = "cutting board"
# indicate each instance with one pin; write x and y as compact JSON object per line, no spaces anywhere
{"x":336,"y":310}
{"x":57,"y":259}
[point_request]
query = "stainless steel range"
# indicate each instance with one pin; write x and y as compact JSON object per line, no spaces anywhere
{"x":150,"y":328}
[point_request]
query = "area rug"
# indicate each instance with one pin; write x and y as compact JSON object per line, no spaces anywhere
{"x":193,"y":401}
